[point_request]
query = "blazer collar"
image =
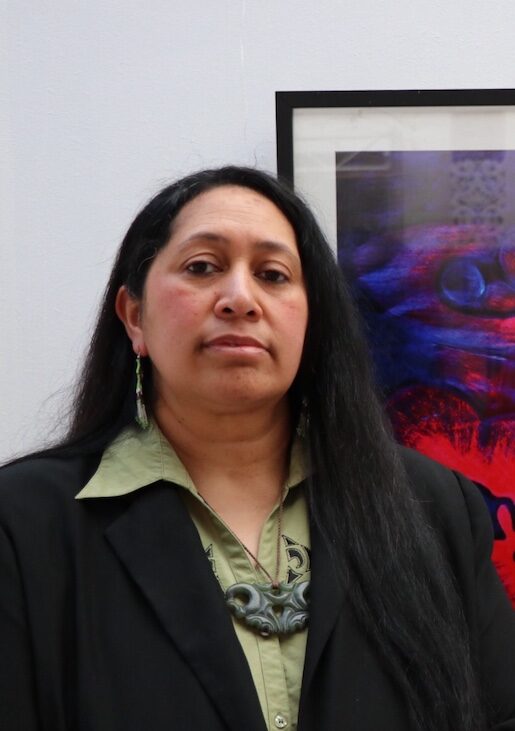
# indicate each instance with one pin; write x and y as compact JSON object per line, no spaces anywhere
{"x":327,"y":606}
{"x":159,"y":546}
{"x":156,"y":541}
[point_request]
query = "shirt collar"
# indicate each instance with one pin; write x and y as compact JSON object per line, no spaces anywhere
{"x":139,"y":457}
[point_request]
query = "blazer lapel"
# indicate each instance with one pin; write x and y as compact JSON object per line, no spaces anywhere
{"x":326,"y":605}
{"x":158,"y":544}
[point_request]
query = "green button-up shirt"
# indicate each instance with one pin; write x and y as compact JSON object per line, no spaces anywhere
{"x":138,"y":458}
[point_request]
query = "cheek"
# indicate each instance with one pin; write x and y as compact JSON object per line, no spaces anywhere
{"x":174,"y":316}
{"x":294,"y":324}
{"x":184,"y":308}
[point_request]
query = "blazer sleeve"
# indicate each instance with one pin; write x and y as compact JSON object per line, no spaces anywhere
{"x":17,"y":687}
{"x":495,"y":618}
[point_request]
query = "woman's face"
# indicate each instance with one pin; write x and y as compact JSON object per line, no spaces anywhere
{"x":224,"y":308}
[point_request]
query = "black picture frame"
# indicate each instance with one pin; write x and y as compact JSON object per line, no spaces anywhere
{"x":497,"y":103}
{"x":415,"y":191}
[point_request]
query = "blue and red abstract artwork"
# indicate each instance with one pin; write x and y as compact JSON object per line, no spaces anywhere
{"x":427,"y":240}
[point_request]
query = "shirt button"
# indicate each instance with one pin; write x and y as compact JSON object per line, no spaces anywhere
{"x":280,"y":721}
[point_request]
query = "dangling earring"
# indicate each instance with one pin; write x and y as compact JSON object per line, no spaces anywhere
{"x":141,"y":412}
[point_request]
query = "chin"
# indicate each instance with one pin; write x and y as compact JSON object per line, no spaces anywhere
{"x":235,"y":396}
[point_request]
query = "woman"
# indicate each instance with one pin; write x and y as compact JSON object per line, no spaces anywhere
{"x":255,"y":553}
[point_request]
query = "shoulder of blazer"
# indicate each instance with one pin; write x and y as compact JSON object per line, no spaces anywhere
{"x":39,"y":486}
{"x":458,"y":517}
{"x":450,"y":500}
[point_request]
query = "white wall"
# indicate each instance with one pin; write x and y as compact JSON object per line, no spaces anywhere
{"x":102,"y":101}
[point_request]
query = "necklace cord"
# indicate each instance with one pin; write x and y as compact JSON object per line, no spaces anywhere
{"x":274,"y":581}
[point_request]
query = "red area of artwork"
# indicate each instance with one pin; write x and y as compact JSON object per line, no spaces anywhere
{"x":444,"y":426}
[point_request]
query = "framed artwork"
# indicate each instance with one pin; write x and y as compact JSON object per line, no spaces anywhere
{"x":416,"y":193}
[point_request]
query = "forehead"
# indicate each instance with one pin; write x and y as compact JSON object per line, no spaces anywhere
{"x":233,"y":207}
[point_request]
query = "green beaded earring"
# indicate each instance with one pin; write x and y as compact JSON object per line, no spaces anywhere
{"x":141,"y":412}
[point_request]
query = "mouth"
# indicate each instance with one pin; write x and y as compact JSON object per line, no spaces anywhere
{"x":236,"y":344}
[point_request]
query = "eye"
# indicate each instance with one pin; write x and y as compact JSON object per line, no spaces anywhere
{"x":201,"y":267}
{"x":274,"y":276}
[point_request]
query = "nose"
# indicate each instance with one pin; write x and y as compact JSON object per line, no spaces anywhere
{"x":238,"y":296}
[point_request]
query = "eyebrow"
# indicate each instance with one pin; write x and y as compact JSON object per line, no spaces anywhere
{"x":265,"y":245}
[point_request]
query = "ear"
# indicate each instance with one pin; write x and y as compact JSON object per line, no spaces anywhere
{"x":128,"y":309}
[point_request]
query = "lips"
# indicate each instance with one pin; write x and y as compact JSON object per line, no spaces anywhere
{"x":240,"y":342}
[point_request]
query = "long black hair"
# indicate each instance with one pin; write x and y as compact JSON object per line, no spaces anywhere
{"x":401,"y":589}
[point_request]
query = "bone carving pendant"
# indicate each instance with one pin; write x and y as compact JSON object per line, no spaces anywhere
{"x":270,"y":611}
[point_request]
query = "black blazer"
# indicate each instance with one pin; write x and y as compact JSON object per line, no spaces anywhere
{"x":111,"y":618}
